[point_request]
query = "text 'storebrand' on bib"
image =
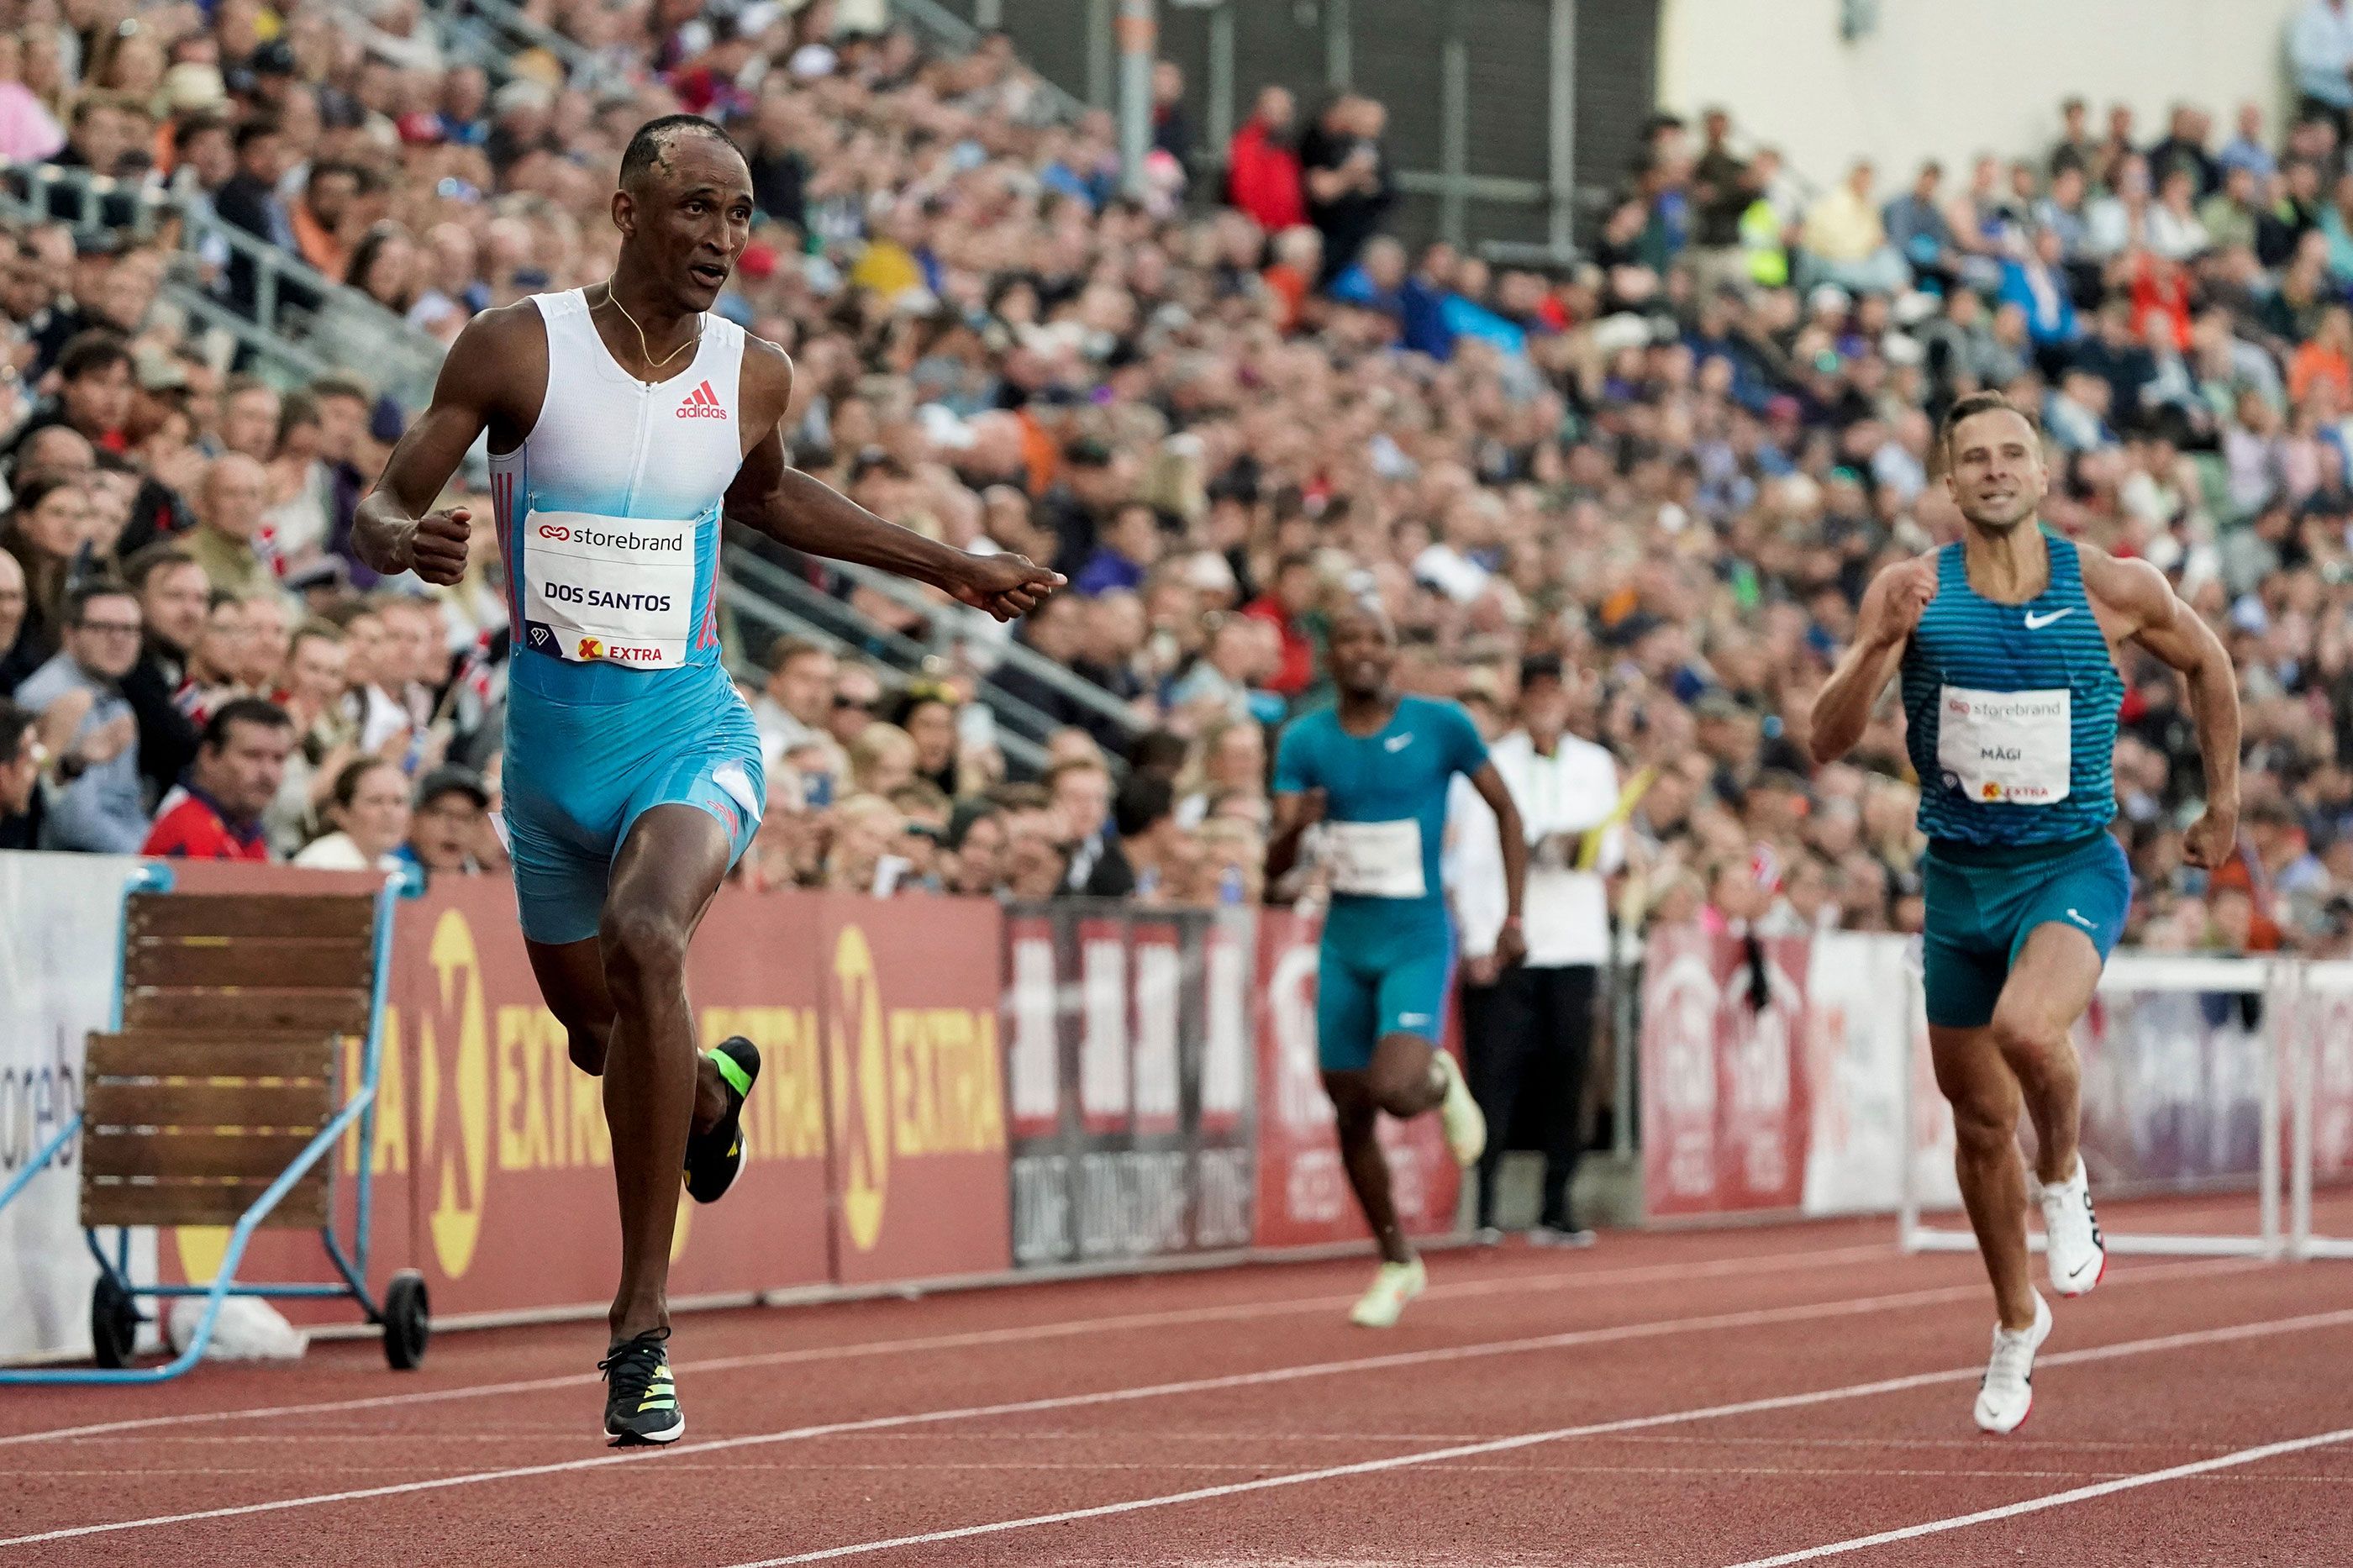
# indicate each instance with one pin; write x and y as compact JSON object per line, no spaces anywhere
{"x":1376,"y":860}
{"x":2006,"y":746}
{"x":618,"y":590}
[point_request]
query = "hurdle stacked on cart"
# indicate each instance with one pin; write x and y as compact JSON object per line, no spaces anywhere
{"x":217,"y":1099}
{"x":235,"y":1013}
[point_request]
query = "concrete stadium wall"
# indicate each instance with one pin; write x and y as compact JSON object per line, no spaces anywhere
{"x":1936,"y":79}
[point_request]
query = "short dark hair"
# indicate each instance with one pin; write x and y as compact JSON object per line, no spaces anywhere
{"x":328,"y":387}
{"x":83,"y":595}
{"x":1969,"y":407}
{"x":654,"y":138}
{"x":347,"y":782}
{"x":1145,"y":801}
{"x":160,"y":556}
{"x":253,"y":131}
{"x":1158,"y":752}
{"x":242,"y":711}
{"x":967,"y":815}
{"x":188,"y":127}
{"x":89,"y":353}
{"x":31,"y":490}
{"x":295,"y":410}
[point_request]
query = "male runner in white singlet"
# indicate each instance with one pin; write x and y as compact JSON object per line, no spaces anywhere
{"x":625,"y":421}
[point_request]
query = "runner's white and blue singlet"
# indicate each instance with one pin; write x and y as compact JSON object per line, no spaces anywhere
{"x":608,"y":517}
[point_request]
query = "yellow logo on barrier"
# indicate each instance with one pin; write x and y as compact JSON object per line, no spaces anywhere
{"x":865,"y":1138}
{"x":458,"y":1166}
{"x":905,"y":1082}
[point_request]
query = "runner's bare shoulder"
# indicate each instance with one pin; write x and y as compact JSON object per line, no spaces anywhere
{"x":767,"y":386}
{"x":499,"y":366}
{"x":2128,"y":590}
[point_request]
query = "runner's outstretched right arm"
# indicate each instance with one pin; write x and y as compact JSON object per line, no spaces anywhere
{"x":1891,"y":609}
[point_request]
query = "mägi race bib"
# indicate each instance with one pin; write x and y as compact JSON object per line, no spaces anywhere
{"x":615,"y":590}
{"x":2012,"y":747}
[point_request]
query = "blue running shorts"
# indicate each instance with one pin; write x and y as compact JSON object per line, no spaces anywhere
{"x":578,"y":775}
{"x":1381,"y":972}
{"x":1983,"y":903}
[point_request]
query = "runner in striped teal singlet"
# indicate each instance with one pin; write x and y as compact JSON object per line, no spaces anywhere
{"x":2006,"y":644}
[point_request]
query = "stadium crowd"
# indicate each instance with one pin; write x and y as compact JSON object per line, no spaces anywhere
{"x":1641,"y":493}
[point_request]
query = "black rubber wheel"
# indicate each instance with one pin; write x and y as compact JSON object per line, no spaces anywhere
{"x":407,"y":1320}
{"x":114,"y":1323}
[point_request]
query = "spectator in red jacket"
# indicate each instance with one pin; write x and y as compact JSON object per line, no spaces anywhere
{"x":216,"y":812}
{"x":1282,"y":607}
{"x":1262,"y":164}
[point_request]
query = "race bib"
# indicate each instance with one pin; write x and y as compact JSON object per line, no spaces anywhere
{"x":1375,"y":859}
{"x":2006,"y":746}
{"x":618,"y":590}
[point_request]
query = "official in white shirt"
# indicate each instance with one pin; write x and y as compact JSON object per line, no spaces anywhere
{"x":1529,"y":1030}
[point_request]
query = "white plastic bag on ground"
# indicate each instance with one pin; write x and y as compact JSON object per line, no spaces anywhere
{"x":248,"y":1328}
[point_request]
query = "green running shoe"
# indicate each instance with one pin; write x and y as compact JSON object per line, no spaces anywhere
{"x":641,"y":1398}
{"x":713,"y":1157}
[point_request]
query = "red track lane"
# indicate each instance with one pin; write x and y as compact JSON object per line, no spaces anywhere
{"x":1534,"y":1408}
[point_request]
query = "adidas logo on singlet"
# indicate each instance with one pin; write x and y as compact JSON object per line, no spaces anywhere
{"x":703,"y":404}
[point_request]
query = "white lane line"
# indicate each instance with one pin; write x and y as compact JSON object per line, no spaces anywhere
{"x":1757,"y":1263}
{"x":2059,"y":1499}
{"x":1852,"y":1307}
{"x":1603,"y":1428}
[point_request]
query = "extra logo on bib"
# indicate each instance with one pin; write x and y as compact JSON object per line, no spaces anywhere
{"x":614,"y":590}
{"x":2012,"y":747}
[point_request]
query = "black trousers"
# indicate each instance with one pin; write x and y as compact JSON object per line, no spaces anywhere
{"x":1529,"y":1038}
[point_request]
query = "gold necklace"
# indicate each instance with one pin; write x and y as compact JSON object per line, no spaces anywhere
{"x":645,"y":348}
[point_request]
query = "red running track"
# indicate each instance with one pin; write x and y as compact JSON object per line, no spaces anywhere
{"x":1720,"y":1398}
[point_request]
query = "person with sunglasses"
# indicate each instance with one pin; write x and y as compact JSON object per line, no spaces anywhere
{"x":857,"y":698}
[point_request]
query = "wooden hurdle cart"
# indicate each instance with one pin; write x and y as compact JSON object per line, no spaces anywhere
{"x":216,"y":1098}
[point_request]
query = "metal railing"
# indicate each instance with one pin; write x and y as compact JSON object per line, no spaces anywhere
{"x":275,"y":359}
{"x":1008,"y":653}
{"x":401,"y":359}
{"x":783,"y":601}
{"x":491,"y":33}
{"x":776,"y":600}
{"x":953,"y":33}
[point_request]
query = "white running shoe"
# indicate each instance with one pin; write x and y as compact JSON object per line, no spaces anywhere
{"x":2008,"y":1392}
{"x":1392,"y":1288}
{"x":2070,"y":1235}
{"x":1459,"y":1114}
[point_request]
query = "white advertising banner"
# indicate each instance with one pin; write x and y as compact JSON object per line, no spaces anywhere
{"x":1864,"y":1032}
{"x":60,"y":932}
